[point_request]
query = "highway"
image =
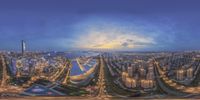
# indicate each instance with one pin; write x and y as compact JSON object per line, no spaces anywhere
{"x":101,"y":81}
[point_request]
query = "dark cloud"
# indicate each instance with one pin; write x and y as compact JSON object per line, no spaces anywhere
{"x":125,"y":44}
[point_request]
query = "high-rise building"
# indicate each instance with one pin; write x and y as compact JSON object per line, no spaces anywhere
{"x":130,"y":71}
{"x":130,"y":83}
{"x":124,"y":76}
{"x":180,"y":74}
{"x":23,"y":46}
{"x":142,"y":72}
{"x":190,"y":73}
{"x":147,"y":83}
{"x":150,"y":75}
{"x":12,"y":67}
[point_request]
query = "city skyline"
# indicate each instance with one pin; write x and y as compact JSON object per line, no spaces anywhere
{"x":112,"y":25}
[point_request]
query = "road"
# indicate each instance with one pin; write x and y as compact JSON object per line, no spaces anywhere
{"x":102,"y":94}
{"x":175,"y":88}
{"x":67,"y":74}
{"x":4,"y":85}
{"x":163,"y":85}
{"x":62,"y":77}
{"x":4,"y":77}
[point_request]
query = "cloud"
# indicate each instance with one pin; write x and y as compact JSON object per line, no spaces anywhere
{"x":113,"y":38}
{"x":125,"y":44}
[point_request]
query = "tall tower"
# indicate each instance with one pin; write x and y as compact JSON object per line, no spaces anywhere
{"x":23,"y":46}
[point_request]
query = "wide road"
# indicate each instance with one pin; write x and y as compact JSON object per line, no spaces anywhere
{"x":4,"y":77}
{"x":101,"y":81}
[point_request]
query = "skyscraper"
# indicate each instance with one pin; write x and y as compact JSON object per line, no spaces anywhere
{"x":23,"y":46}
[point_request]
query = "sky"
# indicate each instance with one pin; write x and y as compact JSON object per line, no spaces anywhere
{"x":135,"y":25}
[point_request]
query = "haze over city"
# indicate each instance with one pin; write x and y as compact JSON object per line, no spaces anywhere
{"x":138,"y":25}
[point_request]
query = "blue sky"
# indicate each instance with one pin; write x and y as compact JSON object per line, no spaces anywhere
{"x":100,"y":24}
